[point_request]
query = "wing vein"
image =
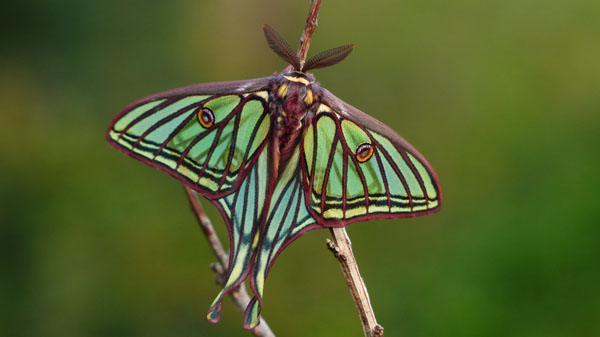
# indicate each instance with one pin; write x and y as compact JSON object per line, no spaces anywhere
{"x":344,"y":184}
{"x":160,"y":123}
{"x":417,"y":175}
{"x":252,"y":137}
{"x":139,"y":118}
{"x":398,"y":173}
{"x":348,"y":152}
{"x":236,"y":128}
{"x":326,"y":174}
{"x":280,"y":226}
{"x":172,"y":134}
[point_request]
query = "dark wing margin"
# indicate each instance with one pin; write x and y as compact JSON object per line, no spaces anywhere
{"x":163,"y":131}
{"x":395,"y":182}
{"x":215,"y":88}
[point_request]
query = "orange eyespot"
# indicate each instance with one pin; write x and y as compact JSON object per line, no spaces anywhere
{"x":206,"y":117}
{"x":364,"y":152}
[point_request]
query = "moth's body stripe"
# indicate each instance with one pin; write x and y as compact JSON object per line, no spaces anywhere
{"x":297,"y":79}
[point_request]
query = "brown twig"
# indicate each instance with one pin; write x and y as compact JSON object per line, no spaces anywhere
{"x":341,"y":245}
{"x":342,"y":250}
{"x":239,"y":295}
{"x":309,"y":29}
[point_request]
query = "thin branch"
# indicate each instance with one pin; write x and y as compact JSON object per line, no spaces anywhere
{"x":311,"y":25}
{"x":342,"y":250}
{"x":341,"y":245}
{"x":239,"y":295}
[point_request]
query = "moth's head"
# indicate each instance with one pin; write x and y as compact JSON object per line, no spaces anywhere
{"x":321,"y":60}
{"x":297,"y":92}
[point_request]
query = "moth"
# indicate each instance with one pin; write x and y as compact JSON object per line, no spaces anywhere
{"x":277,"y":156}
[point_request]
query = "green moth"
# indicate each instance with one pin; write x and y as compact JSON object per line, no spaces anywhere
{"x":277,"y":156}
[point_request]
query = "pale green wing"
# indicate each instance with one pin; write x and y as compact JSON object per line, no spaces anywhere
{"x":208,"y":141}
{"x":257,"y":238}
{"x":357,"y":169}
{"x":287,"y":219}
{"x":241,"y":211}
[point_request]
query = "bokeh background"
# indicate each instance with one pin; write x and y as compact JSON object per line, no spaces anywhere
{"x":502,"y":97}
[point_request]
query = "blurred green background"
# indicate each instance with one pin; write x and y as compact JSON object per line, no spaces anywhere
{"x":502,"y":97}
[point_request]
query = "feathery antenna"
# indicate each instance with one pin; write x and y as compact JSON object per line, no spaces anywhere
{"x":280,"y":47}
{"x":328,"y":57}
{"x":321,"y":60}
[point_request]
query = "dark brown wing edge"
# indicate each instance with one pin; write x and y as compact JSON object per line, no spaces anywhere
{"x":215,"y":88}
{"x":348,"y":111}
